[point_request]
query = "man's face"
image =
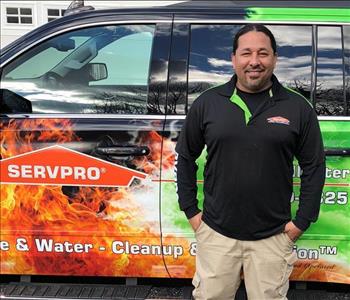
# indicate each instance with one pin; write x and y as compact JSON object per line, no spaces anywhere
{"x":254,"y":62}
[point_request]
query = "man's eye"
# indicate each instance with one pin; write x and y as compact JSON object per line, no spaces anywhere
{"x":263,"y":54}
{"x":245,"y":54}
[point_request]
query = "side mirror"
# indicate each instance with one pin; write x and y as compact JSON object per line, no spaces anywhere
{"x":97,"y":71}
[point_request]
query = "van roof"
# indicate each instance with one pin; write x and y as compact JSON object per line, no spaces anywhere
{"x":289,"y":9}
{"x":298,"y":10}
{"x":261,"y":11}
{"x":259,"y":3}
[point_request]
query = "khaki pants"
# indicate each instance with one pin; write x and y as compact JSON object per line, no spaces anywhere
{"x":267,"y":265}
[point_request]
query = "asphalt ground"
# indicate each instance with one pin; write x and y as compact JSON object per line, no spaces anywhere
{"x":41,"y":287}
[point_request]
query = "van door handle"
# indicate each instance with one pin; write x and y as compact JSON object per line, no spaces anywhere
{"x":337,"y":151}
{"x":123,"y":150}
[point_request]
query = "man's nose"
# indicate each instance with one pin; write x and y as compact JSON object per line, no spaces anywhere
{"x":254,"y":60}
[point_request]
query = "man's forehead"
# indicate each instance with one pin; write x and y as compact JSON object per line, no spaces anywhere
{"x":254,"y":40}
{"x":254,"y":35}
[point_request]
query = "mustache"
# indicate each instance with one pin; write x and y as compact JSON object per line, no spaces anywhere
{"x":255,"y":70}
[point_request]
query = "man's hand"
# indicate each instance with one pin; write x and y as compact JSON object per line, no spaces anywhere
{"x":293,"y":232}
{"x":195,"y":221}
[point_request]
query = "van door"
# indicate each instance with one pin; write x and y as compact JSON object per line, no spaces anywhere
{"x":326,"y":244}
{"x":204,"y":60}
{"x":82,"y":116}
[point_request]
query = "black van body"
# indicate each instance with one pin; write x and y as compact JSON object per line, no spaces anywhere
{"x":91,"y":107}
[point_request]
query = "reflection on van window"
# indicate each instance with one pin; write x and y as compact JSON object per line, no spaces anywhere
{"x":46,"y":57}
{"x":346,"y":36}
{"x":93,"y":70}
{"x":329,"y":84}
{"x":294,"y":49}
{"x":210,"y":57}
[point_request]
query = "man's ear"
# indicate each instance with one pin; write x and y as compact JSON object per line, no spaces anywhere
{"x":275,"y":62}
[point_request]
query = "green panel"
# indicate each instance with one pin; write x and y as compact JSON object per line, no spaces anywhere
{"x":173,"y":220}
{"x":334,"y":219}
{"x":336,"y":134}
{"x":335,"y":198}
{"x":299,"y":14}
{"x":324,"y":249}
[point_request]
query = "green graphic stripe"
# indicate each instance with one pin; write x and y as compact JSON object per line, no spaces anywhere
{"x":240,"y":103}
{"x":299,"y":14}
{"x":295,"y":92}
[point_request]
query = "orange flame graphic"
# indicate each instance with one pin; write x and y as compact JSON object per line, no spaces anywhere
{"x":320,"y":270}
{"x":90,"y":216}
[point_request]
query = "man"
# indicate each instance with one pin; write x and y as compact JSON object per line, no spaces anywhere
{"x":253,"y":127}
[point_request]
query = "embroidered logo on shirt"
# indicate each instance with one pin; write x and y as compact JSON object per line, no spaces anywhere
{"x":278,"y":120}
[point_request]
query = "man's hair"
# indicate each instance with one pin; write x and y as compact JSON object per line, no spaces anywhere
{"x":254,"y":27}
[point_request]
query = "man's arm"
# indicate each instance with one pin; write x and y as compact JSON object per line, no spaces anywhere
{"x":311,"y":158}
{"x":187,"y":185}
{"x":188,"y":148}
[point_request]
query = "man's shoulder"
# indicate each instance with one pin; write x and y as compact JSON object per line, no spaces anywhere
{"x":298,"y":98}
{"x":210,"y":93}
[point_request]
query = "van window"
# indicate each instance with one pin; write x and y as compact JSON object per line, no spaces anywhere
{"x":346,"y":39}
{"x":210,"y":57}
{"x":330,"y":100}
{"x":94,"y":70}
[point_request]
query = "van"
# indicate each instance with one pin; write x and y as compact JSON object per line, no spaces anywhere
{"x":92,"y":105}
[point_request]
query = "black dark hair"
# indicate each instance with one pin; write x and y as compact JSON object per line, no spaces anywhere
{"x":254,"y":27}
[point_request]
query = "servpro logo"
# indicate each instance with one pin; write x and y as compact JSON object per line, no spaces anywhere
{"x":278,"y":120}
{"x":57,"y":165}
{"x":56,"y":172}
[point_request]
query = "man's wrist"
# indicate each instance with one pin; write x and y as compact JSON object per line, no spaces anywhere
{"x":192,"y":211}
{"x":301,"y":223}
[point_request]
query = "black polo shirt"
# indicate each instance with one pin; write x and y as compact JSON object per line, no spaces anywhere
{"x":254,"y":100}
{"x":248,"y":173}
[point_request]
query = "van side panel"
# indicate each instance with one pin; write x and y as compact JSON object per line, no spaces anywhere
{"x":75,"y":202}
{"x":323,"y":251}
